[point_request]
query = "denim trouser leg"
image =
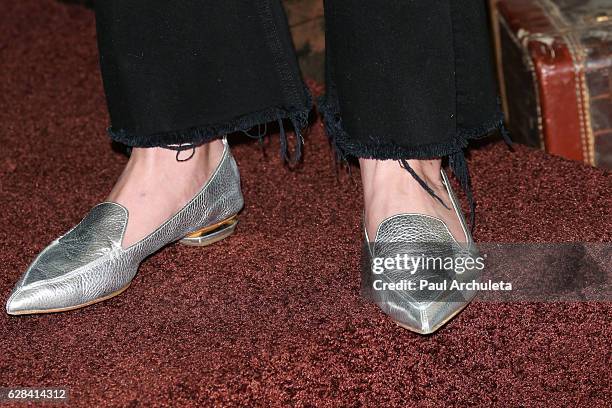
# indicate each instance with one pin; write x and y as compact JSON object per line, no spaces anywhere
{"x":408,"y":79}
{"x":405,"y":79}
{"x":189,"y":71}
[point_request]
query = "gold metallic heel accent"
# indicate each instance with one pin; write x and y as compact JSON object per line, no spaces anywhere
{"x":212,"y":233}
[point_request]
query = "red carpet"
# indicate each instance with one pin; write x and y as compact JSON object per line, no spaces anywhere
{"x":271,"y":316}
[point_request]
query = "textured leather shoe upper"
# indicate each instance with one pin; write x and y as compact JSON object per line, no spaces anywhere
{"x":419,"y":236}
{"x":100,"y":232}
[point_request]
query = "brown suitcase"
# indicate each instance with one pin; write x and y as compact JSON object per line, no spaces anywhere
{"x":556,"y":64}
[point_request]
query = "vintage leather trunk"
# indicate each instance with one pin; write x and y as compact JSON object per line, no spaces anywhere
{"x":556,"y":64}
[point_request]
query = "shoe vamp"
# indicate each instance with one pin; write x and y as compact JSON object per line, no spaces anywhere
{"x":423,"y":246}
{"x":413,"y":228}
{"x":96,"y":236}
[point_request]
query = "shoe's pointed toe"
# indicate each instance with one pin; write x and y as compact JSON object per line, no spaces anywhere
{"x":28,"y":301}
{"x":427,"y":317}
{"x":21,"y":300}
{"x":18,"y":303}
{"x":73,"y":291}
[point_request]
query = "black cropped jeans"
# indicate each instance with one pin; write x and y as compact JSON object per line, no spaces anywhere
{"x":406,"y":79}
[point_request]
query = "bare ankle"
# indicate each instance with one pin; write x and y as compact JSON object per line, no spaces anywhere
{"x":379,"y":176}
{"x":154,"y":185}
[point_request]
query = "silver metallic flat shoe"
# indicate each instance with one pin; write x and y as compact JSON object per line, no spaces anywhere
{"x":88,"y":265}
{"x":397,"y":290}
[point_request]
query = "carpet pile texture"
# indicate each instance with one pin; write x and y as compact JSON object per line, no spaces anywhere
{"x":271,"y":316}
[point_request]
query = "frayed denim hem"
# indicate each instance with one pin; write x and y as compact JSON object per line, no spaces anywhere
{"x":345,"y":147}
{"x":203,"y":134}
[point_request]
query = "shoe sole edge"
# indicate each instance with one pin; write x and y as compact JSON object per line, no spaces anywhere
{"x":66,"y":309}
